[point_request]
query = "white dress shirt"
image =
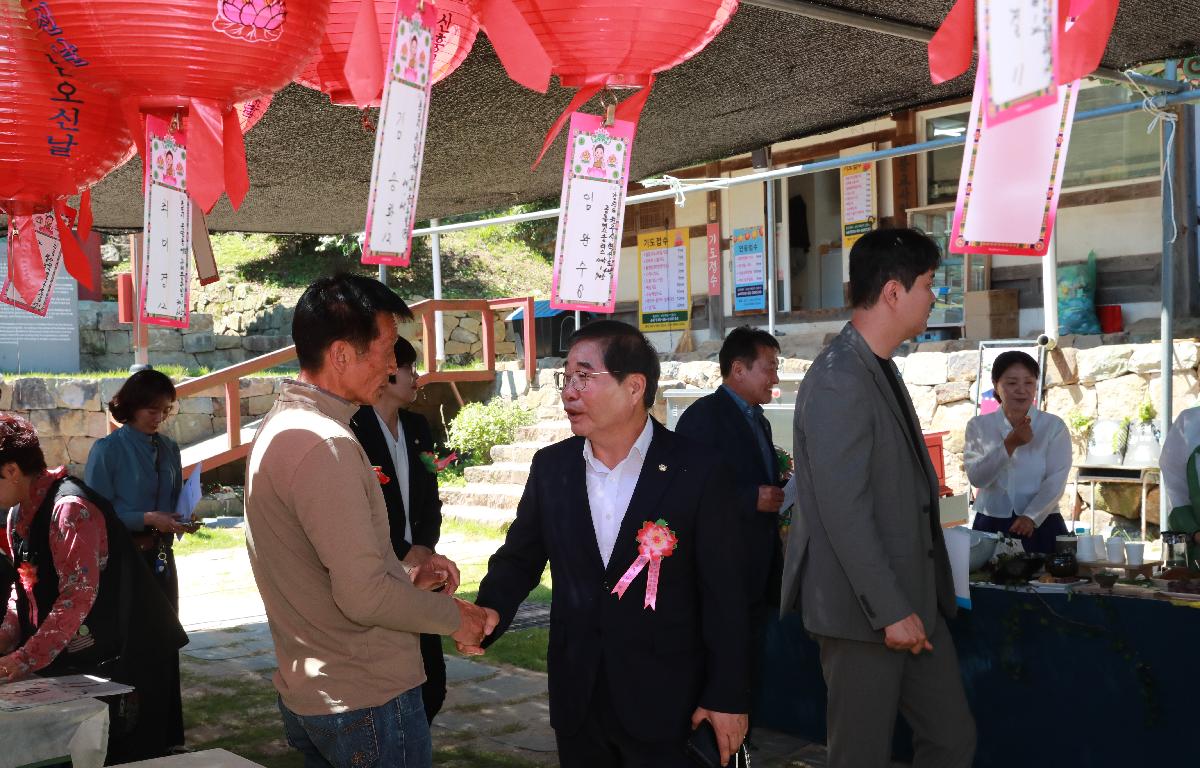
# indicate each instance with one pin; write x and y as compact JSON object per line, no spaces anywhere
{"x":1030,"y":481}
{"x":1181,"y":440}
{"x":609,"y":490}
{"x":399,"y":453}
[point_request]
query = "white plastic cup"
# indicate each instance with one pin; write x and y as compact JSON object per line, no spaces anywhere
{"x":1135,"y":552}
{"x":1089,"y":548}
{"x":1116,"y":549}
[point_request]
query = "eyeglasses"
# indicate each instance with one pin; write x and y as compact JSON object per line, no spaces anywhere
{"x":409,"y":369}
{"x":579,"y":380}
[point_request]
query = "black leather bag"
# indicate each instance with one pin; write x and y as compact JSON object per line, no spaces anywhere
{"x":701,"y":747}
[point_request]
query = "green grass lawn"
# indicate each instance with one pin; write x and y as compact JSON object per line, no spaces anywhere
{"x":207,"y":539}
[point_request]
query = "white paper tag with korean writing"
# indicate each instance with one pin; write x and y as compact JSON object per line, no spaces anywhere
{"x":400,"y":138}
{"x":167,"y":234}
{"x":49,"y":246}
{"x":1018,"y":47}
{"x":590,"y":226}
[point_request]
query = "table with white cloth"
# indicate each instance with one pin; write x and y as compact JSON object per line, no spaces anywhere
{"x":209,"y":758}
{"x":75,"y":731}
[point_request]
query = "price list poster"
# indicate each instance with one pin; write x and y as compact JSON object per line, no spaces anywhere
{"x":664,"y":274}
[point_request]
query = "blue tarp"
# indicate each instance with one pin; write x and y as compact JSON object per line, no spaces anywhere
{"x":540,"y":309}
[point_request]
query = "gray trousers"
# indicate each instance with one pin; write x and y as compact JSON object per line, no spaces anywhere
{"x":868,"y":684}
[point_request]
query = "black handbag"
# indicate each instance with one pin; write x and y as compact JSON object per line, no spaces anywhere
{"x":701,"y":748}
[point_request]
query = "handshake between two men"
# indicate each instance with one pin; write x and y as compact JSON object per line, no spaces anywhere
{"x":438,"y":572}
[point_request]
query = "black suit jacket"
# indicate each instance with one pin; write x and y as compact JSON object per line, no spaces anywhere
{"x":716,"y":422}
{"x":426,"y":512}
{"x":659,"y":664}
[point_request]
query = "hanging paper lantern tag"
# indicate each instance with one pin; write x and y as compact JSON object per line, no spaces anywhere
{"x":36,"y":239}
{"x":167,"y":234}
{"x":1018,"y":49}
{"x":400,"y":138}
{"x":595,"y":176}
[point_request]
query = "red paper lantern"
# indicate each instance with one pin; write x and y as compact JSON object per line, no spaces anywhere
{"x":194,"y":57}
{"x":594,"y":44}
{"x":58,"y":136}
{"x":50,"y":147}
{"x":622,"y":43}
{"x":458,"y":24}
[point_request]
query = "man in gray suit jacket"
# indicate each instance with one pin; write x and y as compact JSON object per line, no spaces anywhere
{"x":866,"y":562}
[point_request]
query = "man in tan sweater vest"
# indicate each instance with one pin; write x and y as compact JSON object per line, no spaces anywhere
{"x":344,"y":612}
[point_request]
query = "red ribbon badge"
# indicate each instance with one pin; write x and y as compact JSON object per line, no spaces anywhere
{"x":655,"y":541}
{"x":383,"y":479}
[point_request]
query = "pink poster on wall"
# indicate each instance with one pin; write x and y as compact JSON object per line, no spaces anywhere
{"x":1011,"y":178}
{"x":590,"y":226}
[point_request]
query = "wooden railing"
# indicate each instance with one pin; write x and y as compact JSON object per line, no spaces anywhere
{"x":229,"y":379}
{"x":425,"y":312}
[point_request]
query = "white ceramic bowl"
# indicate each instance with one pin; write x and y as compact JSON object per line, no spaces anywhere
{"x":983,"y":546}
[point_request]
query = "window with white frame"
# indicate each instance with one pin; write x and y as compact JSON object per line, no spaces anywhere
{"x":1104,"y":151}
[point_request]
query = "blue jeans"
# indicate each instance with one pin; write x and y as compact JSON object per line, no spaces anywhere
{"x":395,"y":735}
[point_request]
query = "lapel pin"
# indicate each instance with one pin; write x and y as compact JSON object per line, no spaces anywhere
{"x":662,"y":467}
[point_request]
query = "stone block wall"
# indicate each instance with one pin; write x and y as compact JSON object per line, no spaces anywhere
{"x":70,"y":413}
{"x":106,"y":344}
{"x":246,"y":327}
{"x":1099,"y":382}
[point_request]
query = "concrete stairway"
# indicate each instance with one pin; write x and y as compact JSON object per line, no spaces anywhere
{"x":493,"y":491}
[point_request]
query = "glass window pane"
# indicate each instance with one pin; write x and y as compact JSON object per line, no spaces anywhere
{"x":1106,"y":150}
{"x":1112,"y":148}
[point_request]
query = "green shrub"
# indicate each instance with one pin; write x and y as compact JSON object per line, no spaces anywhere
{"x":480,"y":426}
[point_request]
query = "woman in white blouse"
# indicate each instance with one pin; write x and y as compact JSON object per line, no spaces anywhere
{"x":1018,"y":457}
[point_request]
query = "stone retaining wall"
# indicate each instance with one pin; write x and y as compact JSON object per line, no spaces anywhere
{"x":106,"y":344}
{"x":69,"y":414}
{"x":251,"y":328}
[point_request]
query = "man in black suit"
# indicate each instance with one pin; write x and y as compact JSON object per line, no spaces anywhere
{"x":641,"y":649}
{"x":394,"y":439}
{"x":731,"y":424}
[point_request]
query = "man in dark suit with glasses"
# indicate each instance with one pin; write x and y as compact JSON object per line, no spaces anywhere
{"x":648,"y":633}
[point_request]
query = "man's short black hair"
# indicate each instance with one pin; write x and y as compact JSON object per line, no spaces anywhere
{"x":889,"y":254}
{"x":626,"y":351}
{"x":743,"y":344}
{"x":341,"y":308}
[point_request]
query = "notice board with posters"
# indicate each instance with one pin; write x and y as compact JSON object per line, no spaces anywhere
{"x":47,"y":344}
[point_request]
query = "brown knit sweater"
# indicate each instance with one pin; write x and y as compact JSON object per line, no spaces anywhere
{"x":342,"y":611}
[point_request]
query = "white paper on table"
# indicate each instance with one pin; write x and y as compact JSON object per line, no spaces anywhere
{"x":789,"y":492}
{"x":189,"y":495}
{"x":55,"y":690}
{"x":958,"y":547}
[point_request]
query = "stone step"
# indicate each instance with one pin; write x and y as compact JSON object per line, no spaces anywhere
{"x":507,"y":472}
{"x":547,"y":431}
{"x":516,"y":452}
{"x":497,"y":518}
{"x":497,"y":496}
